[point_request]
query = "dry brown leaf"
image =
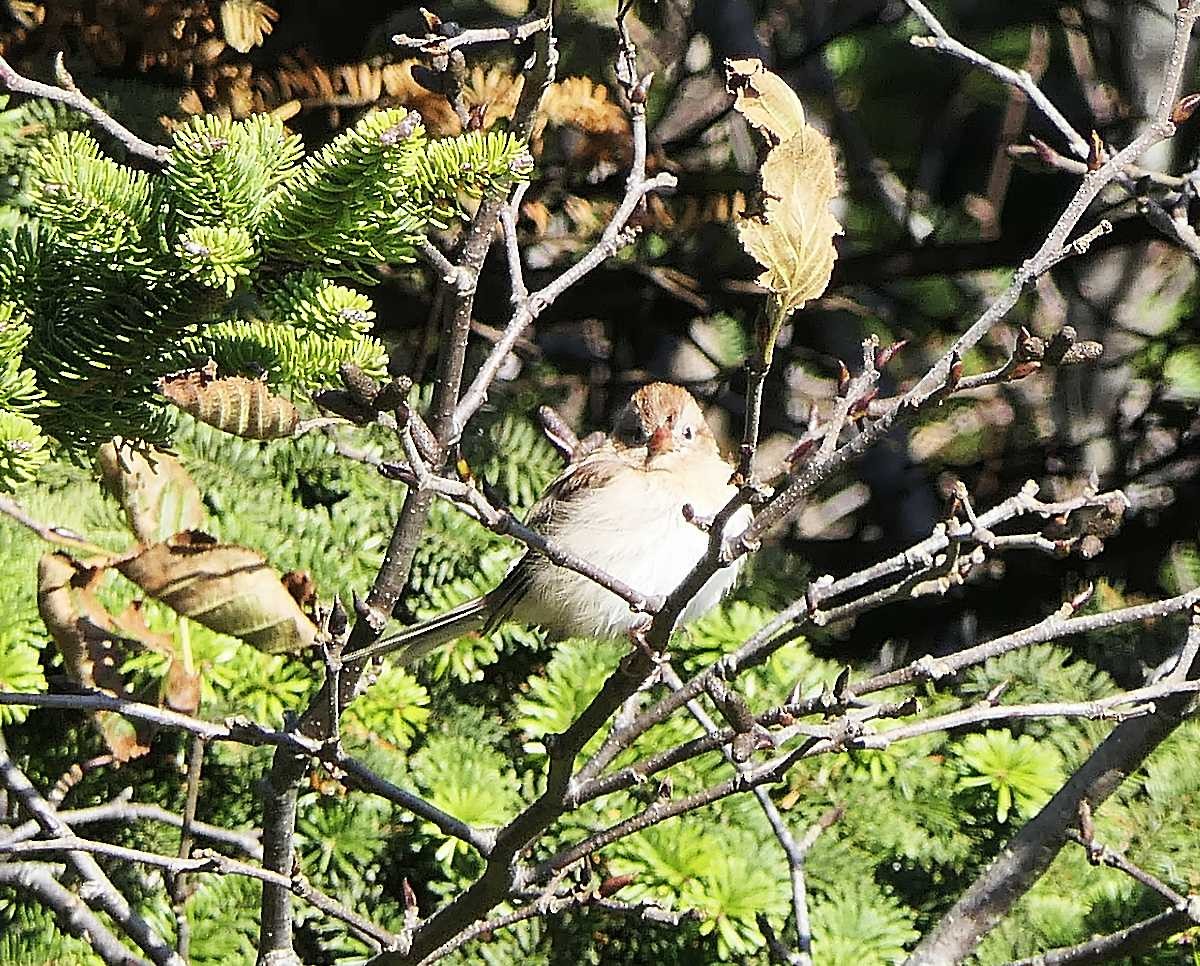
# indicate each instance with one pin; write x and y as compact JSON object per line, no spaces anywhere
{"x":158,"y":496}
{"x":791,"y":230}
{"x":235,"y":404}
{"x":91,"y":645}
{"x":766,"y":100}
{"x":227,"y":588}
{"x":792,"y":238}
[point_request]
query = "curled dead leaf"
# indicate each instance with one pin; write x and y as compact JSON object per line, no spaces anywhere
{"x":156,"y":492}
{"x":235,"y":404}
{"x":765,"y":99}
{"x":91,"y":645}
{"x":227,"y":588}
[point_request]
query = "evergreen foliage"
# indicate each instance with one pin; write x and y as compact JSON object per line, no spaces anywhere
{"x":117,"y":276}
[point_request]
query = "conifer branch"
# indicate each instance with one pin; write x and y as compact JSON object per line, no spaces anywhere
{"x":75,"y":99}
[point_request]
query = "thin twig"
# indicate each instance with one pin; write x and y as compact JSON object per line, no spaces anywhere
{"x":214,"y":863}
{"x":435,"y":44}
{"x":1100,"y":854}
{"x":74,"y":916}
{"x":126,"y":811}
{"x":1127,"y":177}
{"x":918,"y":558}
{"x":101,"y":892}
{"x":614,"y":237}
{"x":178,"y":884}
{"x":247,"y":732}
{"x":51,"y":533}
{"x":75,"y":100}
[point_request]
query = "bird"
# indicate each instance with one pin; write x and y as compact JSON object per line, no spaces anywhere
{"x":621,"y":508}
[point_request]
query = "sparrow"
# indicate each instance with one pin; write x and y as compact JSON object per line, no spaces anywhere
{"x":619,"y":507}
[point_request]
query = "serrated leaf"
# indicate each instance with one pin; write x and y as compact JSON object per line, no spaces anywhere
{"x":156,"y":492}
{"x":765,"y":99}
{"x":227,"y":588}
{"x":792,"y":238}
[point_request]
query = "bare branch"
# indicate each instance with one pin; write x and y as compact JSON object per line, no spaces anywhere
{"x":102,"y":894}
{"x":75,"y":100}
{"x":38,"y":879}
{"x":934,"y":384}
{"x":435,"y":44}
{"x":214,"y":863}
{"x":1121,"y":945}
{"x":124,"y":811}
{"x":917,"y":559}
{"x":1026,"y":858}
{"x":528,"y":307}
{"x":1127,"y":177}
{"x":249,"y":733}
{"x":1100,"y":854}
{"x":178,"y":885}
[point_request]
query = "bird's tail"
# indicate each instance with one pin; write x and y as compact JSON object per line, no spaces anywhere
{"x":415,"y":642}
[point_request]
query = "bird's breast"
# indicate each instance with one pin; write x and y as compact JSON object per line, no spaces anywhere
{"x":634,"y":529}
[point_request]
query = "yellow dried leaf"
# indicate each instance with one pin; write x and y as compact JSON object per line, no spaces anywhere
{"x":158,"y":496}
{"x":765,"y":99}
{"x":227,"y":588}
{"x":792,"y":237}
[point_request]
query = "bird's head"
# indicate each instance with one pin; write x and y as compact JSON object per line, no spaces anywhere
{"x":663,"y":418}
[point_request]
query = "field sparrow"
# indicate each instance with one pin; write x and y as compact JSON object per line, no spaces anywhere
{"x":621,"y":508}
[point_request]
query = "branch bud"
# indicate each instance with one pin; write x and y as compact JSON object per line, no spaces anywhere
{"x":885,"y":355}
{"x":1184,"y":108}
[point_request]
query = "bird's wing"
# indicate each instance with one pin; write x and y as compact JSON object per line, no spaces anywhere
{"x":579,"y":480}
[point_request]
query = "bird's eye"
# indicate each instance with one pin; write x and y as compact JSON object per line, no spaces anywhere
{"x":688,"y":432}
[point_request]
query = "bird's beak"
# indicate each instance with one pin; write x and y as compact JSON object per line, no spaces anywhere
{"x":661,"y":441}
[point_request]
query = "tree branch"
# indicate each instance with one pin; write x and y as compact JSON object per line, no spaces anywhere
{"x":37,"y":878}
{"x":101,"y":892}
{"x":74,"y":99}
{"x":1026,"y":858}
{"x":215,"y":863}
